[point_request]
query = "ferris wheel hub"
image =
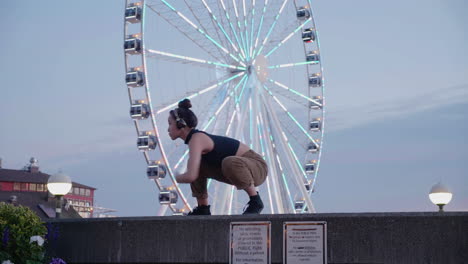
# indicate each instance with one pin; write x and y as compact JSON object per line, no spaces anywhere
{"x":260,"y":68}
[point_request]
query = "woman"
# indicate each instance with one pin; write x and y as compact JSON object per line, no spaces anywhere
{"x":221,"y":158}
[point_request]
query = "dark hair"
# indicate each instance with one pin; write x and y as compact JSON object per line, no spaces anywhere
{"x":183,"y":112}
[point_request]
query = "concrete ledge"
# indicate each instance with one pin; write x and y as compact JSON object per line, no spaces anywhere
{"x":352,"y":238}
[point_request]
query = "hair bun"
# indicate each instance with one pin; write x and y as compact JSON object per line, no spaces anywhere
{"x":185,"y":104}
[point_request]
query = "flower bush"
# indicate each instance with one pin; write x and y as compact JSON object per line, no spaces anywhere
{"x":22,"y":233}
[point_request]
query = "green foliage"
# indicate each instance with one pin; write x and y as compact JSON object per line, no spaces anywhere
{"x":17,"y":225}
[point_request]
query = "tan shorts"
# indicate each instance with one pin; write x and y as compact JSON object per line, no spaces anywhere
{"x":240,"y":171}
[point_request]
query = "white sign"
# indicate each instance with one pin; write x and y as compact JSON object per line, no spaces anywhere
{"x":250,"y":242}
{"x":305,"y":242}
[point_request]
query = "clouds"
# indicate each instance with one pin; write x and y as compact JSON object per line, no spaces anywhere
{"x":354,"y":116}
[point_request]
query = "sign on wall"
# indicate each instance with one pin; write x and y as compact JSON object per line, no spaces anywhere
{"x":305,"y":242}
{"x":250,"y":242}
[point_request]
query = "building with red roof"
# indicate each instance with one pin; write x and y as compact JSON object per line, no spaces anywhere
{"x":28,"y":187}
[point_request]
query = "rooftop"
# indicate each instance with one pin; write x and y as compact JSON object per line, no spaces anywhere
{"x":39,"y":202}
{"x":8,"y":175}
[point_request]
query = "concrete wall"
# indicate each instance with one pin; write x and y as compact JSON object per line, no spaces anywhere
{"x":352,"y":238}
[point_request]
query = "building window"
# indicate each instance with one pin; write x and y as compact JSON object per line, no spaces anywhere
{"x":16,"y":186}
{"x":82,"y":191}
{"x":85,"y":214}
{"x":32,"y":187}
{"x":76,"y":191}
{"x":24,"y":186}
{"x":40,"y":187}
{"x":88,"y":192}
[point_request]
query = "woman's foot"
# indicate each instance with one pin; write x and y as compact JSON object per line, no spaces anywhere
{"x":254,"y":206}
{"x":200,"y":210}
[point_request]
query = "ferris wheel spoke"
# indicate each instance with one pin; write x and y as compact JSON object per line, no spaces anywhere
{"x":205,"y":126}
{"x":250,"y":17}
{"x":202,"y":32}
{"x":206,"y":28}
{"x":172,"y":19}
{"x":214,"y":116}
{"x":288,"y":37}
{"x":260,"y":25}
{"x":239,"y":27}
{"x":293,"y":64}
{"x":299,"y":175}
{"x":280,"y":34}
{"x":234,"y":106}
{"x":276,"y":170}
{"x":150,"y":53}
{"x":290,"y":115}
{"x":271,"y":29}
{"x":252,"y":24}
{"x":289,"y":96}
{"x":297,"y":93}
{"x":267,"y":152}
{"x":193,"y":94}
{"x":233,"y":31}
{"x":246,"y":31}
{"x":215,"y":20}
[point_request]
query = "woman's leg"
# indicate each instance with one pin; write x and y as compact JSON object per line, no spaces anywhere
{"x":251,"y":191}
{"x":199,"y":186}
{"x":202,"y":201}
{"x":245,"y":172}
{"x":200,"y":193}
{"x":199,"y":190}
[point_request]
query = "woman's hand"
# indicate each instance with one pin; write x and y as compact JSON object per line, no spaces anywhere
{"x":182,"y":177}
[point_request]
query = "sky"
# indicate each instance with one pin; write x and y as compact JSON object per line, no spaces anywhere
{"x":396,"y":78}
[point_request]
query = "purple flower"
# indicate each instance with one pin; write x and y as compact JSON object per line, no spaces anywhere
{"x":49,"y":227}
{"x":57,"y":261}
{"x":6,"y":235}
{"x":52,"y":232}
{"x":56,"y":232}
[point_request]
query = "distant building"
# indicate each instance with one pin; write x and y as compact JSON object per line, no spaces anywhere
{"x":28,"y":187}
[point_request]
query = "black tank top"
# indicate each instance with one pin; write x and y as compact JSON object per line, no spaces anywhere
{"x":223,"y":147}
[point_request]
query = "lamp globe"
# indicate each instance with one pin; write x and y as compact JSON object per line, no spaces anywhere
{"x":440,"y":195}
{"x":59,"y":184}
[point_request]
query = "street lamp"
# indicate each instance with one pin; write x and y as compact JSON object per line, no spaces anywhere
{"x":58,"y":185}
{"x":440,"y":195}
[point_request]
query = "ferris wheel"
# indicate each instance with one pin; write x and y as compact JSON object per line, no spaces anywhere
{"x":252,"y":70}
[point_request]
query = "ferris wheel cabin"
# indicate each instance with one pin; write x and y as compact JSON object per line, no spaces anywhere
{"x":308,"y":185}
{"x":168,"y":197}
{"x":313,"y":148}
{"x":135,"y":78}
{"x":310,"y":168}
{"x":132,"y":45}
{"x":317,"y":103}
{"x":315,"y":125}
{"x":139,"y":110}
{"x":299,"y":205}
{"x":303,"y":13}
{"x":156,"y":171}
{"x":313,"y":56}
{"x":146,"y":141}
{"x":133,"y":13}
{"x":315,"y":81}
{"x":308,"y":35}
